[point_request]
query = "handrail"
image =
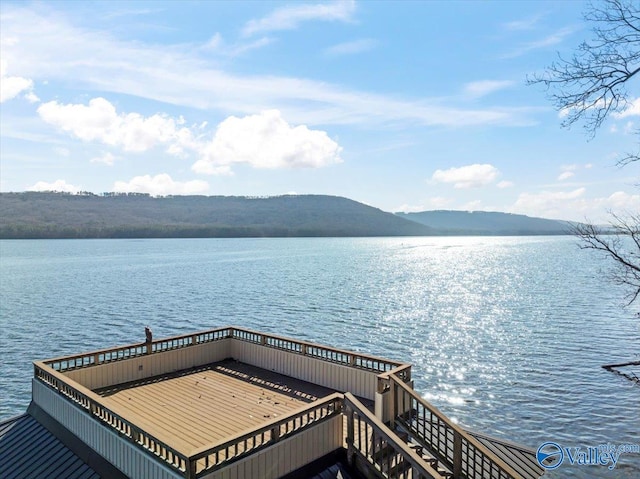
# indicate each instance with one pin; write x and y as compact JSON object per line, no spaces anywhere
{"x":203,"y":459}
{"x":119,"y":353}
{"x":316,"y":351}
{"x":458,"y":450}
{"x":89,"y":402}
{"x":377,"y":438}
{"x":403,"y":372}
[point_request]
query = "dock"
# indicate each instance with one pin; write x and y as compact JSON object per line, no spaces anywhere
{"x":231,"y":403}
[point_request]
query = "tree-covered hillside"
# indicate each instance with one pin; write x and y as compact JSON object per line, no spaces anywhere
{"x":60,"y":215}
{"x":487,"y":223}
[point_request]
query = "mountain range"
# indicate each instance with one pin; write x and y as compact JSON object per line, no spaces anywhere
{"x":122,"y":215}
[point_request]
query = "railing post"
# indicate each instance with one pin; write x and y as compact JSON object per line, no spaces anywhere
{"x":275,"y":433}
{"x":394,"y":403}
{"x":348,"y":410}
{"x":190,"y":468}
{"x":457,"y":455}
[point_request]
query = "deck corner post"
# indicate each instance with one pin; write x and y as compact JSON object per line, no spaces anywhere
{"x":457,"y":455}
{"x":275,"y":433}
{"x":190,"y":468}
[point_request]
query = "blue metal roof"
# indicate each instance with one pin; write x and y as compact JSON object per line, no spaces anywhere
{"x":29,"y":451}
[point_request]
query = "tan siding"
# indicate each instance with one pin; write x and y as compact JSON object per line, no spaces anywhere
{"x":126,"y":370}
{"x":341,"y":378}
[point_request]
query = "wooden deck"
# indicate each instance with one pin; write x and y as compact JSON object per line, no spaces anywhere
{"x":197,"y":407}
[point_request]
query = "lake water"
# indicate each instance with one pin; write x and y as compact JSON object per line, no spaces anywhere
{"x":506,"y":335}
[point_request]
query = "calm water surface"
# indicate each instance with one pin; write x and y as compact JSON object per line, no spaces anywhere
{"x":507,"y":335}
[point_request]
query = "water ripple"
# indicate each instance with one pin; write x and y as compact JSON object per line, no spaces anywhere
{"x":506,"y":335}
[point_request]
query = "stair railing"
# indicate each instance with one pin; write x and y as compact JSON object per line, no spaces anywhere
{"x":379,"y":448}
{"x":464,"y":455}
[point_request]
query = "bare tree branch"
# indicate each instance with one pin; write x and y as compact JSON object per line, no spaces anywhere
{"x":621,"y":243}
{"x":588,"y":87}
{"x":592,"y":84}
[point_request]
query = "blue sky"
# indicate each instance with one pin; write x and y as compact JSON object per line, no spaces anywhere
{"x":405,"y":106}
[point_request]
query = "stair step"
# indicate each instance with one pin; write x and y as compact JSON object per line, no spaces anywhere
{"x":383,"y":453}
{"x":399,"y":469}
{"x":426,"y":456}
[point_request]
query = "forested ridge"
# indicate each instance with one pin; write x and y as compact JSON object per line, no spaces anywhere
{"x":62,"y":215}
{"x":488,"y":223}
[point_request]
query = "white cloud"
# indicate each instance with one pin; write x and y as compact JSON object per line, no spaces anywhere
{"x":11,"y":86}
{"x":290,"y":17}
{"x":160,"y":185}
{"x":569,"y":171}
{"x":99,"y":121}
{"x":548,"y":41}
{"x":31,"y":97}
{"x":484,"y":87}
{"x":470,"y":176}
{"x":245,"y":47}
{"x":48,"y":50}
{"x":623,"y":202}
{"x":267,"y":141}
{"x":406,"y":208}
{"x":632,"y":110}
{"x":433,"y":203}
{"x":106,"y":158}
{"x":213,"y":43}
{"x":58,"y":185}
{"x":548,"y":204}
{"x":439,"y":202}
{"x":575,"y":205}
{"x":351,"y":48}
{"x":475,"y":205}
{"x":525,"y":24}
{"x":565,"y":175}
{"x":217,"y":45}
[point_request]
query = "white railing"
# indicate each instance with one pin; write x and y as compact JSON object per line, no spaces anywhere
{"x":303,"y":348}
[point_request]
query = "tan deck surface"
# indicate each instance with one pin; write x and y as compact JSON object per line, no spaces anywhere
{"x":194,"y":408}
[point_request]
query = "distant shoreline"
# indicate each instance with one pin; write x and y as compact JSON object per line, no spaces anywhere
{"x":52,"y":215}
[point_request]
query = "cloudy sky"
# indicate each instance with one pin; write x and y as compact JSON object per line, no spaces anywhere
{"x":406,"y":106}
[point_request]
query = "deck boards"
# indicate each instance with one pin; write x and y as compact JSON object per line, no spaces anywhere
{"x":197,"y":407}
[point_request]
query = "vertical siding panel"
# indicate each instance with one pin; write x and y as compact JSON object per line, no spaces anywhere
{"x":263,"y":462}
{"x":282,"y":461}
